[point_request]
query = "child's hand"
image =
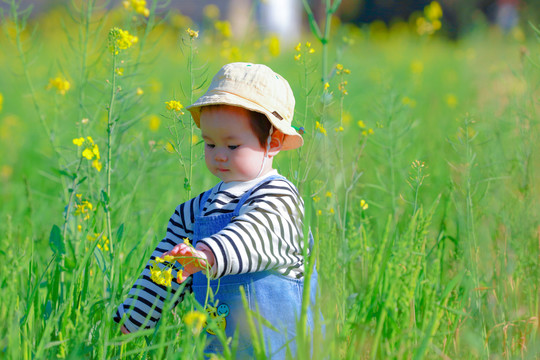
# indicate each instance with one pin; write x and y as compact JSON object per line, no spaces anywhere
{"x":192,"y":259}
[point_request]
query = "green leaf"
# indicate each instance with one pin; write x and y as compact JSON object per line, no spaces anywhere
{"x":82,"y":180}
{"x":120,"y":233}
{"x":105,"y":197}
{"x":56,"y":242}
{"x":187,"y":186}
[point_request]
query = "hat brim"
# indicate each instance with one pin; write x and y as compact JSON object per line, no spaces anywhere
{"x":292,"y":139}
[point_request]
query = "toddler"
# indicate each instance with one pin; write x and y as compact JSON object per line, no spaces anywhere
{"x":247,"y":230}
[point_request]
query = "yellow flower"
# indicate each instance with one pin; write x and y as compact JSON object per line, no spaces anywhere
{"x":167,"y":276}
{"x":87,"y":153}
{"x":192,"y":33}
{"x":194,"y":139}
{"x":155,"y":275}
{"x":168,"y":258}
{"x":361,"y":124}
{"x":297,"y":57}
{"x":298,"y":47}
{"x":139,"y":6}
{"x":179,"y":275}
{"x":338,"y":129}
{"x":61,"y":85}
{"x":316,"y":199}
{"x":95,"y":151}
{"x":120,"y":40}
{"x":326,"y":85}
{"x":84,"y":209}
{"x":273,"y":46}
{"x":175,"y":105}
{"x":119,"y":71}
{"x":211,"y":11}
{"x":451,"y":100}
{"x":370,"y":131}
{"x":96,"y":164}
{"x":1,"y":101}
{"x":159,"y":260}
{"x":320,"y":127}
{"x":319,"y":212}
{"x":154,"y":122}
{"x":328,"y":194}
{"x":311,"y":51}
{"x":331,"y":211}
{"x":139,"y":91}
{"x":339,"y":67}
{"x":433,"y":11}
{"x":78,"y":141}
{"x":186,"y":241}
{"x":195,"y":320}
{"x":224,"y":27}
{"x":363,"y":204}
{"x":79,"y":228}
{"x":308,"y":44}
{"x":417,"y":67}
{"x":341,"y":87}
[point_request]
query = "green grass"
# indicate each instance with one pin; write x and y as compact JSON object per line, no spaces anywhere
{"x":444,"y":263}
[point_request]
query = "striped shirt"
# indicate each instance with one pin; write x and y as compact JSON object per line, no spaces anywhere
{"x":267,"y":235}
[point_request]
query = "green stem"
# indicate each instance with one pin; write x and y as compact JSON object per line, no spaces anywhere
{"x":190,"y":71}
{"x":110,"y":129}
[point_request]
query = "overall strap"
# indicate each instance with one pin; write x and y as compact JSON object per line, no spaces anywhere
{"x":203,"y":200}
{"x":248,"y":193}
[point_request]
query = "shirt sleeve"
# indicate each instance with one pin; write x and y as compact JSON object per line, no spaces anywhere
{"x":267,"y":234}
{"x":145,"y":301}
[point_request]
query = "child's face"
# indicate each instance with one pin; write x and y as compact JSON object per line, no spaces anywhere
{"x":232,"y":150}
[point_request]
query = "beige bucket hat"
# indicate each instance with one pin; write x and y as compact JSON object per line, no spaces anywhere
{"x":257,"y":88}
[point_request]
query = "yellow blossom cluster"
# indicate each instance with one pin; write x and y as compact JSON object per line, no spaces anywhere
{"x":90,"y":152}
{"x":120,"y":40}
{"x":82,"y":207}
{"x":340,"y":70}
{"x":175,"y":105}
{"x":430,"y":22}
{"x":139,"y":6}
{"x":103,"y":243}
{"x":224,"y":28}
{"x":162,"y":276}
{"x":365,"y":130}
{"x":1,"y":101}
{"x":195,"y":320}
{"x":60,"y":84}
{"x":307,"y":49}
{"x":274,"y":46}
{"x":320,"y":128}
{"x":119,"y":71}
{"x":192,"y":33}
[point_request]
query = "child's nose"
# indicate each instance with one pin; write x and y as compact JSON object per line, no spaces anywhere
{"x":220,"y":156}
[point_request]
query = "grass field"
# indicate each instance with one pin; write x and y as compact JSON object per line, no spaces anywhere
{"x":418,"y":175}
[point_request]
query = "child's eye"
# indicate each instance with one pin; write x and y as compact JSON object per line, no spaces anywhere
{"x":233,"y":147}
{"x":211,"y":146}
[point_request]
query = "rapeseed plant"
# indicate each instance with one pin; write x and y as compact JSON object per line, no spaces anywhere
{"x":139,"y":6}
{"x":60,"y":84}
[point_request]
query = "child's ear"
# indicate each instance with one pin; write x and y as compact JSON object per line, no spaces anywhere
{"x":276,"y":143}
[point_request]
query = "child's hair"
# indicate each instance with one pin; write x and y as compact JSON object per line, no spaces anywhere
{"x":259,"y":123}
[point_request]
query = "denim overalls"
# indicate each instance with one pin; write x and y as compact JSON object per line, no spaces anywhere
{"x":277,"y":298}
